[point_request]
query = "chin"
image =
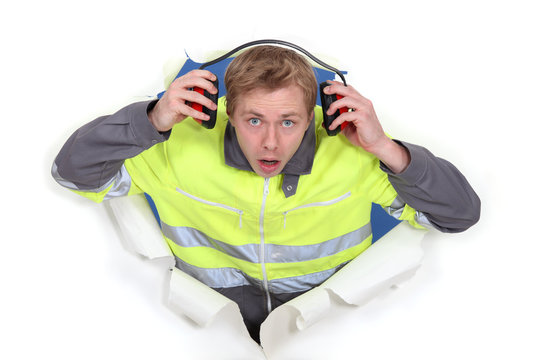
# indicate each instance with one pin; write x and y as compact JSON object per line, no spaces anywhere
{"x":268,"y":175}
{"x":264,"y":175}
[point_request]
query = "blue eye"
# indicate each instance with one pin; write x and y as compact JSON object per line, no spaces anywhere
{"x":287,"y":123}
{"x":254,"y":121}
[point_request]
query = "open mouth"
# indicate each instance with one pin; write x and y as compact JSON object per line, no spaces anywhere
{"x":268,"y":166}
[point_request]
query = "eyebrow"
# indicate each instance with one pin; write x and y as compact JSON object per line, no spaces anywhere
{"x":251,"y":112}
{"x":286,"y":115}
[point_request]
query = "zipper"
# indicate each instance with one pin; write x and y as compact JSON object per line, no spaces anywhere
{"x":211,"y":203}
{"x":321,"y":203}
{"x":261,"y":248}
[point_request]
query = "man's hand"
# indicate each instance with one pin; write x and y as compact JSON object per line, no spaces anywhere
{"x":172,"y":108}
{"x":363,"y":127}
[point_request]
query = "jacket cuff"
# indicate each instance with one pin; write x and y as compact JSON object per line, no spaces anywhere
{"x":416,"y":168}
{"x":144,"y":131}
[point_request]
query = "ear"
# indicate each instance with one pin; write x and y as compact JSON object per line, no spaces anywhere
{"x":231,"y":121}
{"x":310,"y":119}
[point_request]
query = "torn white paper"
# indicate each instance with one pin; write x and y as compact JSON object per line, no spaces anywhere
{"x":389,"y":262}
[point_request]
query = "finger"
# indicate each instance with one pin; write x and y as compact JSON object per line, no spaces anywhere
{"x":200,"y":83}
{"x":346,"y":102}
{"x":195,"y":97}
{"x":185,"y":111}
{"x":334,"y":82}
{"x":336,"y":105}
{"x":332,"y":88}
{"x":337,"y":87}
{"x":204,"y":74}
{"x":345,"y":117}
{"x":197,"y":78}
{"x":198,"y":74}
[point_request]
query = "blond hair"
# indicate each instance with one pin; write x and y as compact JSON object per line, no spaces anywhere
{"x":269,"y":67}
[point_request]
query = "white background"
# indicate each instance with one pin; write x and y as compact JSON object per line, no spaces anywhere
{"x":459,"y":77}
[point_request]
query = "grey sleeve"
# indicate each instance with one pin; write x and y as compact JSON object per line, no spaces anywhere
{"x":436,"y":188}
{"x":95,"y":153}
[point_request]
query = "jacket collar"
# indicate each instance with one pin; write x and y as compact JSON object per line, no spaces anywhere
{"x":300,"y":163}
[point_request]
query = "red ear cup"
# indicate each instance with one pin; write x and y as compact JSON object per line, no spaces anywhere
{"x":341,"y":111}
{"x":197,"y":106}
{"x":209,"y":124}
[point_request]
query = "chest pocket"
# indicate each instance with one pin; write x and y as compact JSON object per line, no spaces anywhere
{"x":326,"y":203}
{"x":214,"y":204}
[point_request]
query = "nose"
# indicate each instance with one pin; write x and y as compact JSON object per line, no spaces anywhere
{"x":271,"y":138}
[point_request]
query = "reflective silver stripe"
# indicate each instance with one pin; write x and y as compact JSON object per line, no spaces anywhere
{"x":232,"y":277}
{"x":211,"y":203}
{"x":121,"y":181}
{"x":190,"y":237}
{"x":396,"y":210}
{"x":321,"y":203}
{"x":397,"y":203}
{"x":60,"y":180}
{"x":122,"y":184}
{"x":217,"y":277}
{"x":302,"y":283}
{"x":421,"y":219}
{"x":286,"y":253}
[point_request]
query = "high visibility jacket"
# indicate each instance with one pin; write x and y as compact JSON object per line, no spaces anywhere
{"x":230,"y":227}
{"x":261,"y":242}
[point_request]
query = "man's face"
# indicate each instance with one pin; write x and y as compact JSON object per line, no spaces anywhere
{"x":270,"y":125}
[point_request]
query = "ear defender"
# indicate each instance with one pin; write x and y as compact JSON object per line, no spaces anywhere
{"x":326,"y":101}
{"x":209,"y":124}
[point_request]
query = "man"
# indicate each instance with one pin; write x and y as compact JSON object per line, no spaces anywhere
{"x":265,"y":206}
